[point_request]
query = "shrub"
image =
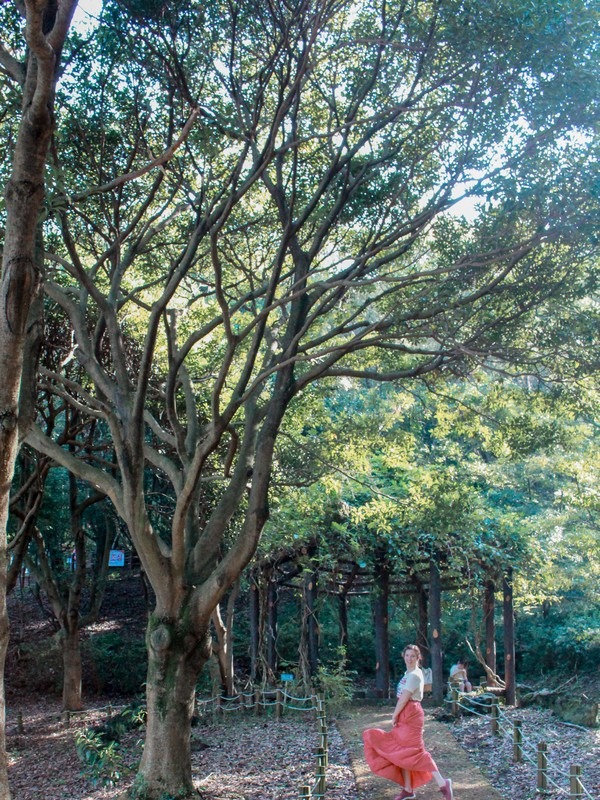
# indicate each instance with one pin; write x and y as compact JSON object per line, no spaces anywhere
{"x":119,"y":664}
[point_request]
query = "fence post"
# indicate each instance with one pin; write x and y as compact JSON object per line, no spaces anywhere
{"x":517,"y":740}
{"x":20,"y":726}
{"x":66,"y":718}
{"x":219,"y":706}
{"x":279,"y":704}
{"x":305,"y":791}
{"x":455,"y":697}
{"x":542,"y":767}
{"x":495,"y":715}
{"x":257,"y":702}
{"x":321,"y":778}
{"x":324,"y":746}
{"x":576,"y":789}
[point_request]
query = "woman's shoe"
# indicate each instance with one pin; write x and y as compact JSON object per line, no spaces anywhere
{"x":406,"y":794}
{"x":446,"y":790}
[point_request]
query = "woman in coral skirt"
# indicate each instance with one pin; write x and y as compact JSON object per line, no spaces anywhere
{"x":400,"y":754}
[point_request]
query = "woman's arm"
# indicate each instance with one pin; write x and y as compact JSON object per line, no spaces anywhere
{"x":403,"y":699}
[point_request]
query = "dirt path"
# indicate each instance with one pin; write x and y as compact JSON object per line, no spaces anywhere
{"x":469,"y":782}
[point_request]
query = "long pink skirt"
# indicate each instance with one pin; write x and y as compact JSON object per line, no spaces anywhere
{"x":389,"y":752}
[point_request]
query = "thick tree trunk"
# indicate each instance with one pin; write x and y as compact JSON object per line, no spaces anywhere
{"x":4,"y":791}
{"x":21,"y":276}
{"x":71,"y":652}
{"x":175,"y":658}
{"x":20,"y":283}
{"x":489,"y":607}
{"x":435,"y":629}
{"x":381,"y":622}
{"x":510,"y":675}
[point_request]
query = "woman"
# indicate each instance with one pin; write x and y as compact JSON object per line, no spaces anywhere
{"x":400,"y":754}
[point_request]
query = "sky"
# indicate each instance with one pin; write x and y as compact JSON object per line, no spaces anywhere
{"x":86,"y":9}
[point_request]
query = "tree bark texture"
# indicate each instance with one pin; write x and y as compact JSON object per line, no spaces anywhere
{"x":510,"y":675}
{"x":176,"y":654}
{"x":46,"y":28}
{"x":71,"y":653}
{"x":435,"y":633}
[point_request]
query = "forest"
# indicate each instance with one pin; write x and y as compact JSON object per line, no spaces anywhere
{"x":299,"y":346}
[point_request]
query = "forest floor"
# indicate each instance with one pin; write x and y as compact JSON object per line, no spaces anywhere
{"x":244,"y":757}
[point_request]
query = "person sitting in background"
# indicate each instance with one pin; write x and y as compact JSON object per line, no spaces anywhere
{"x":458,"y":677}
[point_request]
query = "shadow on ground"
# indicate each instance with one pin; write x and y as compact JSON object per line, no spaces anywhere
{"x":469,"y":782}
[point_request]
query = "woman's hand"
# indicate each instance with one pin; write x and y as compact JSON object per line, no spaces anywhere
{"x":403,"y":699}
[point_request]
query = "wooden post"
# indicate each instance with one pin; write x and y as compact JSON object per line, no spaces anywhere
{"x":257,"y":702}
{"x":254,"y":620}
{"x":311,"y":591}
{"x":495,"y":716}
{"x":279,"y":704}
{"x":20,"y":727}
{"x":576,"y":789}
{"x":422,"y":629}
{"x":435,"y":633}
{"x":321,"y":776}
{"x":272,"y":613}
{"x":66,"y":718}
{"x":542,"y":767}
{"x":380,"y":599}
{"x":305,"y":791}
{"x":219,"y":706}
{"x":517,"y":740}
{"x":454,"y":702}
{"x":510,"y":675}
{"x":324,"y":747}
{"x":489,"y":600}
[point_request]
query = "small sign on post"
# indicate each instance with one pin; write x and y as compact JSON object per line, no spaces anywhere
{"x":116,"y":558}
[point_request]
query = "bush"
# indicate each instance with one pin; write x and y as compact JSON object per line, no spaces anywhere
{"x":98,"y":747}
{"x":336,"y":683}
{"x":119,"y":664}
{"x":102,"y":761}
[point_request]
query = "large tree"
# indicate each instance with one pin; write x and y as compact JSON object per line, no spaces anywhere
{"x":46,"y":27}
{"x":252,"y":197}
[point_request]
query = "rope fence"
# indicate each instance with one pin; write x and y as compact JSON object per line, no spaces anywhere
{"x":547,"y":773}
{"x":257,"y":700}
{"x":254,"y":701}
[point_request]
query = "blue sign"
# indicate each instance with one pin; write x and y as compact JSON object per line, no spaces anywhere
{"x":116,"y":558}
{"x":286,"y":676}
